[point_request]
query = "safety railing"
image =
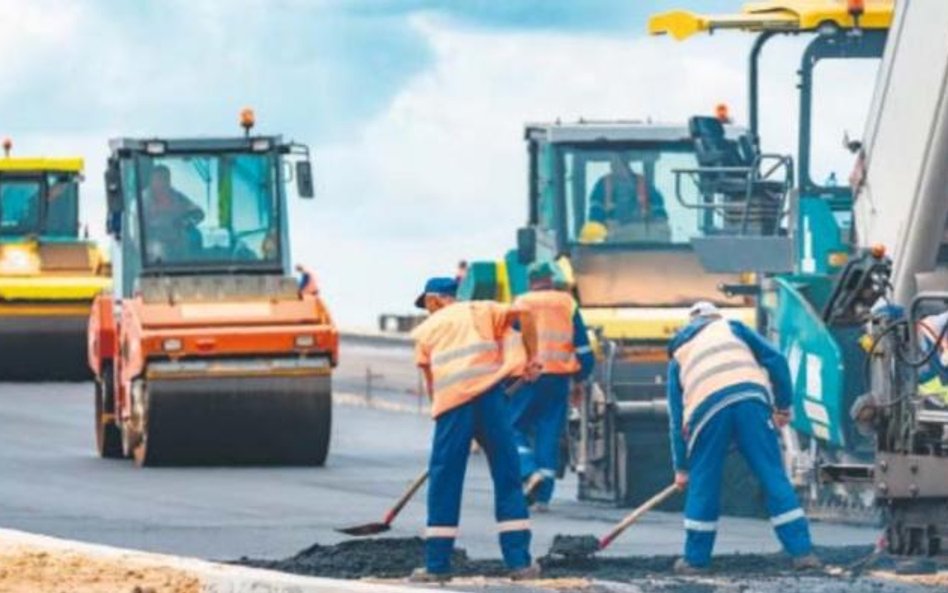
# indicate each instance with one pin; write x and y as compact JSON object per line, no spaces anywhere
{"x":738,"y":200}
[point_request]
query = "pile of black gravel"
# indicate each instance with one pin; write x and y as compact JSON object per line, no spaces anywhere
{"x":396,"y":557}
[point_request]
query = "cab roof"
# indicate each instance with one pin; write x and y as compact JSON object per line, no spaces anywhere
{"x":611,"y":131}
{"x":238,"y":143}
{"x":41,"y":164}
{"x":773,"y":15}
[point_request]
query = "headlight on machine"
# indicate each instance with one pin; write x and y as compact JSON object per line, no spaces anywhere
{"x":304,"y":341}
{"x":171,"y":345}
{"x":18,"y":259}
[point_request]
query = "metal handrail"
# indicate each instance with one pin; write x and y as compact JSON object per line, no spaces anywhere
{"x":752,"y":175}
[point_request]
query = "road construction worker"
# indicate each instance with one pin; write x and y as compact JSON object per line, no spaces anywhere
{"x":727,"y":385}
{"x":539,"y":409}
{"x":460,"y":350}
{"x":307,"y":282}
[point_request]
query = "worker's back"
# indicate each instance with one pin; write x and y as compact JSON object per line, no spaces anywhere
{"x":711,"y":359}
{"x":462,"y":344}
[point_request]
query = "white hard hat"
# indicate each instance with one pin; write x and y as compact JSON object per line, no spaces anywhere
{"x":703,"y":309}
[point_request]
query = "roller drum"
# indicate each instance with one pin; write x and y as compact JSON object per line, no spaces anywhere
{"x":44,"y":348}
{"x":254,"y":420}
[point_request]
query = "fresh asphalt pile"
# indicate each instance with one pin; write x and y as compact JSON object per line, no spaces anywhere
{"x":396,"y":557}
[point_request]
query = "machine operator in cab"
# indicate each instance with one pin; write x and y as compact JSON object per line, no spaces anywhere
{"x":623,"y":196}
{"x":170,"y":218}
{"x":460,"y":350}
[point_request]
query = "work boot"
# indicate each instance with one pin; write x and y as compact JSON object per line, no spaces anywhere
{"x":682,"y":567}
{"x":527,"y":573}
{"x":421,"y":575}
{"x":807,"y":562}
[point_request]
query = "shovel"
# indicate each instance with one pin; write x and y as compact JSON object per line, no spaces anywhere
{"x":586,"y":545}
{"x":389,"y":518}
{"x":386,"y":523}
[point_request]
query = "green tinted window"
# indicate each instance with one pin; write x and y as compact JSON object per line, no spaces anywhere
{"x":19,"y":206}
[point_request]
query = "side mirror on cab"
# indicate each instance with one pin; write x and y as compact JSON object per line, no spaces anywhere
{"x":304,"y":179}
{"x":527,"y":245}
{"x":114,"y":199}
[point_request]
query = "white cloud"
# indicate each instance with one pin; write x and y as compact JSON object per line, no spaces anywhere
{"x":437,"y":176}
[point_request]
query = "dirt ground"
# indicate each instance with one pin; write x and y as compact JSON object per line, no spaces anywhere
{"x":27,"y":570}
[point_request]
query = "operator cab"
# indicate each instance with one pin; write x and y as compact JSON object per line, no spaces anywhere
{"x":749,"y":190}
{"x":202,"y":207}
{"x":40,"y":198}
{"x":604,"y":194}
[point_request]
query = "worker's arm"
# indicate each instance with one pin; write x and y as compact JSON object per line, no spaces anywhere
{"x":530,"y":337}
{"x":597,"y":202}
{"x":191,"y":213}
{"x":771,"y":359}
{"x":679,"y":449}
{"x":429,"y":380}
{"x":423,"y":360}
{"x":584,"y":351}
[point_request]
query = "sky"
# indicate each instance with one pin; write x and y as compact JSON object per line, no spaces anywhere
{"x":413,"y":109}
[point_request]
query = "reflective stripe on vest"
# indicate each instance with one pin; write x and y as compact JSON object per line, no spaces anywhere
{"x":473,"y":372}
{"x":553,"y":313}
{"x":466,"y":356}
{"x":713,"y":360}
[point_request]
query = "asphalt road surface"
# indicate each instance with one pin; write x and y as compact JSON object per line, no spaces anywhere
{"x":52,"y":482}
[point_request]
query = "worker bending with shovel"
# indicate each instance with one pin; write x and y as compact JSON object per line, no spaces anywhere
{"x":727,"y":385}
{"x":539,"y":409}
{"x":460,"y":349}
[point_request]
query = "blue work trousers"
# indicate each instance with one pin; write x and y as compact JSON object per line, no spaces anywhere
{"x":538,"y":411}
{"x":748,"y":424}
{"x":485,"y":419}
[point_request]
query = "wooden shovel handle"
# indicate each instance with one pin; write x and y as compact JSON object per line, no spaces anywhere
{"x":637,"y":513}
{"x":401,"y":502}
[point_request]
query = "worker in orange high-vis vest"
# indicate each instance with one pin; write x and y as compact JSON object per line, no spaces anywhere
{"x":539,"y":409}
{"x":460,"y":349}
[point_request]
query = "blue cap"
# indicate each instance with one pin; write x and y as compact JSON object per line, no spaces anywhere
{"x":441,"y":286}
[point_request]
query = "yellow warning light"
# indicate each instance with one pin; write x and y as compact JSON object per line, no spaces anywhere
{"x":878,"y":251}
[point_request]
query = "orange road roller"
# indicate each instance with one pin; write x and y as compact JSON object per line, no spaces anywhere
{"x":207,"y":352}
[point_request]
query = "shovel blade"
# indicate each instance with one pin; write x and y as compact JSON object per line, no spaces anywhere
{"x":364,"y":530}
{"x":575,"y":546}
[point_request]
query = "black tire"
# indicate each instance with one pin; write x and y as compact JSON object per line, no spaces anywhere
{"x":108,"y":437}
{"x":323,"y":432}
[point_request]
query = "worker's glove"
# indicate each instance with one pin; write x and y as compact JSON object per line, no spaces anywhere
{"x":681,"y":479}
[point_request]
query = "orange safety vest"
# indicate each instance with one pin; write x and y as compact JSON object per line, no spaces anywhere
{"x":713,"y":360}
{"x":553,"y":312}
{"x":464,"y":347}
